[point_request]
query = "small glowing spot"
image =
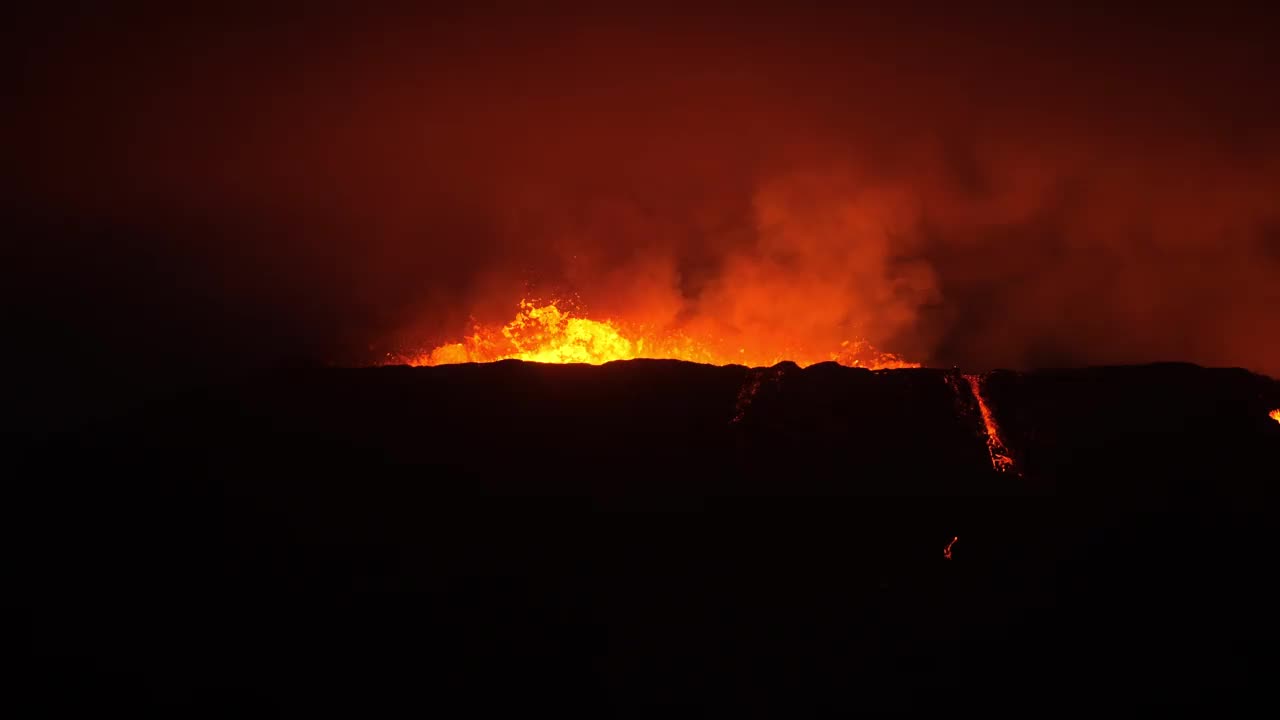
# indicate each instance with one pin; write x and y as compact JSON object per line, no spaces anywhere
{"x":946,"y":551}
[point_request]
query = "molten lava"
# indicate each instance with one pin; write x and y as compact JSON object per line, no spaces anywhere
{"x":946,"y":551}
{"x":546,"y":333}
{"x":1001,"y":458}
{"x":1275,"y":415}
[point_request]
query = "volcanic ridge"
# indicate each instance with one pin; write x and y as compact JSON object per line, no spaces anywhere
{"x":652,"y":534}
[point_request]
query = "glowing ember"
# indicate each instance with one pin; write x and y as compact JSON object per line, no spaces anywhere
{"x":747,"y":393}
{"x":1001,"y":458}
{"x":547,"y":333}
{"x":1275,"y":415}
{"x":946,"y":551}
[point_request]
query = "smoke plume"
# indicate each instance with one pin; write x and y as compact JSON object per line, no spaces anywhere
{"x":998,"y":188}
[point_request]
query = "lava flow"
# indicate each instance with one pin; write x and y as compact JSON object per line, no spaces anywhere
{"x":1001,"y":458}
{"x":546,"y":333}
{"x":946,"y":551}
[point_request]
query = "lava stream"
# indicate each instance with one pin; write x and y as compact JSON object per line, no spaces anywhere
{"x":1001,"y":458}
{"x":946,"y":551}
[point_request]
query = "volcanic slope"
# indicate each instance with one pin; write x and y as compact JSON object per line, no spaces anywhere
{"x":645,"y":535}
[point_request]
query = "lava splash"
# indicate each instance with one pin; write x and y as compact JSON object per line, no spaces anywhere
{"x":1275,"y":415}
{"x":549,"y":333}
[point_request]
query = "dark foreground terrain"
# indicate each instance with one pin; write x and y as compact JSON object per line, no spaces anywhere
{"x":649,"y":536}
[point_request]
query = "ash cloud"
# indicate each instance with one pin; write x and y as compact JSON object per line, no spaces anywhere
{"x":987,"y":189}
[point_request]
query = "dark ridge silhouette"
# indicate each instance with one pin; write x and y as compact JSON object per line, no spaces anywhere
{"x":654,"y":535}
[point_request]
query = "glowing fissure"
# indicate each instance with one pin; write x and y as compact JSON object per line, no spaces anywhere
{"x":946,"y":551}
{"x":1001,"y":458}
{"x":546,"y":333}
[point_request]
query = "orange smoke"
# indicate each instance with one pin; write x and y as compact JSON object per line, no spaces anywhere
{"x":805,"y":175}
{"x":548,"y":333}
{"x":946,"y":552}
{"x":1001,"y":458}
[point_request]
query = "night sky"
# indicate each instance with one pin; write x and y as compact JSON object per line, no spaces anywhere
{"x":196,"y":192}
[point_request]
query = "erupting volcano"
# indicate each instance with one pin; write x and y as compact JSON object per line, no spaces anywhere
{"x":637,"y":358}
{"x":550,"y":333}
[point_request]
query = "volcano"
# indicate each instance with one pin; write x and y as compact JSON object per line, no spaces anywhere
{"x":645,"y":535}
{"x":502,"y":359}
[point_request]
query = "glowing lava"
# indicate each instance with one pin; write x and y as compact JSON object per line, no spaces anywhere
{"x":1001,"y":458}
{"x":546,"y":333}
{"x":946,"y":551}
{"x":1275,"y":415}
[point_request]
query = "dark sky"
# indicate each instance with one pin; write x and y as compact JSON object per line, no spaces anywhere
{"x":987,"y":185}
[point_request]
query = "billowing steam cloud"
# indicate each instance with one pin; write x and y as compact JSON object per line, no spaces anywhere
{"x":1013,"y":191}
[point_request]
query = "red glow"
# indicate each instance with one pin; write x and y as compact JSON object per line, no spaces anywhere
{"x":946,"y":552}
{"x":776,"y":182}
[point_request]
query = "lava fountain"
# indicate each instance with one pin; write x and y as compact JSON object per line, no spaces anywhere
{"x":549,"y":333}
{"x":1275,"y":415}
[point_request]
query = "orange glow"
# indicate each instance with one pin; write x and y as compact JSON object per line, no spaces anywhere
{"x":946,"y":551}
{"x":547,"y":333}
{"x":1275,"y":415}
{"x":1001,"y":458}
